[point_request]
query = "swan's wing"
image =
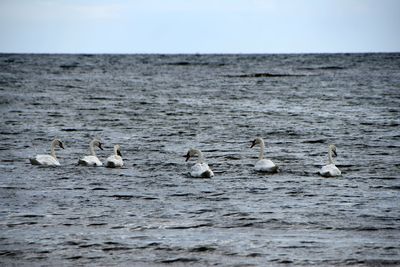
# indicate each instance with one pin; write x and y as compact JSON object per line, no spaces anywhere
{"x":201,"y":170}
{"x":90,"y":161}
{"x":196,"y":170}
{"x":330,"y":170}
{"x":266,"y":165}
{"x":324,"y":172}
{"x":114,"y":161}
{"x":45,"y":160}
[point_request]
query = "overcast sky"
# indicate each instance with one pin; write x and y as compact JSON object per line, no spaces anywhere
{"x":199,"y":26}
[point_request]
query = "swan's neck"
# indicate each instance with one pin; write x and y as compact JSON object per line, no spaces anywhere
{"x":53,"y":150}
{"x":91,"y":149}
{"x":115,"y":151}
{"x":330,"y":158}
{"x":200,"y":157}
{"x":262,"y":148}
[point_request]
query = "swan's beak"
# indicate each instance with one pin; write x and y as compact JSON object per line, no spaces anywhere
{"x":119,"y":153}
{"x":61,"y":145}
{"x":187,"y":157}
{"x":100,"y":146}
{"x":253,"y":143}
{"x":334,"y":153}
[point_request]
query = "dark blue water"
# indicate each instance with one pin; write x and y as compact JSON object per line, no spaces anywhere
{"x":156,"y":107}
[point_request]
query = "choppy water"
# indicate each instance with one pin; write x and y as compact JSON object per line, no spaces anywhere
{"x":151,"y":212}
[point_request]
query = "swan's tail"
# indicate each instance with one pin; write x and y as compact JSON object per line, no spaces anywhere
{"x":325,"y":174}
{"x":207,"y":174}
{"x":34,"y":161}
{"x":110,"y":164}
{"x":271,"y":170}
{"x":274,"y":169}
{"x":82,"y":162}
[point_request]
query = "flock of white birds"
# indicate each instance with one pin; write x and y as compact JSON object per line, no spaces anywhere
{"x":199,"y":170}
{"x":113,"y":161}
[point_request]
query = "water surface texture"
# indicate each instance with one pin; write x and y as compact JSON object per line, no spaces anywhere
{"x":157,"y":107}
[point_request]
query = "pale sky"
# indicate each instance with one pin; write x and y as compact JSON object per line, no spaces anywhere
{"x":199,"y":26}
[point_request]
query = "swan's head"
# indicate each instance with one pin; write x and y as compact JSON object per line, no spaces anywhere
{"x":57,"y":142}
{"x":257,"y":141}
{"x":97,"y":143}
{"x":333,"y":149}
{"x":117,"y":149}
{"x":191,"y":153}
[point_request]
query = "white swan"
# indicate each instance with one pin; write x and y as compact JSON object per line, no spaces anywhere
{"x":330,"y":170}
{"x":263,"y":165}
{"x":200,"y":169}
{"x":48,"y":160}
{"x":92,"y":160}
{"x":115,"y":161}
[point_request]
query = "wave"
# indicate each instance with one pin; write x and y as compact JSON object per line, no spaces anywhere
{"x":188,"y":63}
{"x":265,"y":75}
{"x":323,"y":68}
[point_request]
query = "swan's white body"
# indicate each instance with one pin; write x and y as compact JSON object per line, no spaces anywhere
{"x":200,"y":169}
{"x":45,"y":160}
{"x":48,"y":160}
{"x":330,"y":170}
{"x":92,"y":159}
{"x":263,"y":165}
{"x":115,"y":161}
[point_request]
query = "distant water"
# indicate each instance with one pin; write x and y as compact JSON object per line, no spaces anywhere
{"x":157,"y":107}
